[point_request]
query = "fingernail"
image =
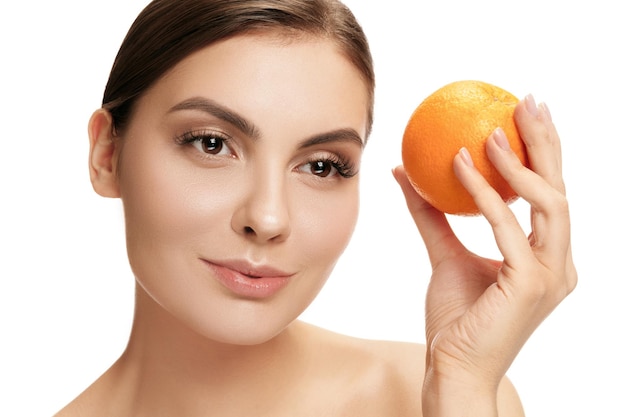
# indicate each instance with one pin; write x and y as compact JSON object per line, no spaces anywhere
{"x":466,"y":157}
{"x":501,"y":140}
{"x":545,"y":110}
{"x":394,"y":172}
{"x":531,"y":106}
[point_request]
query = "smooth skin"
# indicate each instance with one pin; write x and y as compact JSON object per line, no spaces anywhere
{"x":473,"y":337}
{"x":198,"y":349}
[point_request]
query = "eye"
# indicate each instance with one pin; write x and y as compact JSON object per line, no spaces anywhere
{"x":329,"y":166}
{"x":208,"y":143}
{"x":321,"y":168}
{"x":213,"y":145}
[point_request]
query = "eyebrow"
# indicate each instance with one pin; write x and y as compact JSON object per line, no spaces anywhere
{"x":249,"y":129}
{"x":221,"y":112}
{"x":339,"y":135}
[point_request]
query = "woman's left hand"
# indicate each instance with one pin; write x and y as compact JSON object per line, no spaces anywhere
{"x":480,"y":312}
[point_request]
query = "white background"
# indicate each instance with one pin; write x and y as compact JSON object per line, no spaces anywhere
{"x":66,"y":290}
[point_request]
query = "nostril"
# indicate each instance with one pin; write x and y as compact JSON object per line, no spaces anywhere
{"x":248,"y":230}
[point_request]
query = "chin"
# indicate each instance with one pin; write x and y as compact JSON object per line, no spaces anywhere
{"x":246,"y":323}
{"x":245,"y":334}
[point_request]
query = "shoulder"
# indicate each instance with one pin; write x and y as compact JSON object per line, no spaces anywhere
{"x":375,"y":377}
{"x":96,"y":400}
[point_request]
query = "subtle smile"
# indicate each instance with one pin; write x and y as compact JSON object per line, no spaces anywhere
{"x":247,"y":280}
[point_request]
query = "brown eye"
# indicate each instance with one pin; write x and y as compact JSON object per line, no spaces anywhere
{"x":321,"y":168}
{"x":207,"y":143}
{"x":329,"y":166}
{"x":211,"y":144}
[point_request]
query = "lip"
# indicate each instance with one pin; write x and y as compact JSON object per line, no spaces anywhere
{"x":249,"y":280}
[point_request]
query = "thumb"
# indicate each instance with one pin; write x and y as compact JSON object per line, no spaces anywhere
{"x":440,"y":240}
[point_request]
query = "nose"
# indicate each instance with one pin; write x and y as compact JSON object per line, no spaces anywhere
{"x":263,"y":215}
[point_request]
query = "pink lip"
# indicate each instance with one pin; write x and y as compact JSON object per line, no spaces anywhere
{"x":248,"y":280}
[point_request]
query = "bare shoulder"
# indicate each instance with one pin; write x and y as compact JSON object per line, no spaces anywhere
{"x":78,"y":407}
{"x":96,"y":400}
{"x":378,"y":377}
{"x":375,"y":377}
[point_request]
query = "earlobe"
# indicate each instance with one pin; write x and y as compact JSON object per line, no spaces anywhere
{"x":102,"y":144}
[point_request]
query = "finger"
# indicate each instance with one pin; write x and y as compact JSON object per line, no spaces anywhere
{"x":440,"y":240}
{"x":550,"y":209}
{"x":543,"y":145}
{"x":509,"y":236}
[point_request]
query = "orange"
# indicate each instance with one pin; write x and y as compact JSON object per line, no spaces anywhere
{"x":460,"y":114}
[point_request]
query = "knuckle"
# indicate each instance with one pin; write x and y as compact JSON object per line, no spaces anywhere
{"x":548,"y":288}
{"x":572,"y":280}
{"x":557,"y":204}
{"x":536,"y":136}
{"x":561,"y":204}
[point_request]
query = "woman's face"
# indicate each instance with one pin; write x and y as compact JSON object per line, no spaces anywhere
{"x":239,"y":178}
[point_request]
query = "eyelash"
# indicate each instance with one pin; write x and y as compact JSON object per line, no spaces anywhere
{"x":190,"y":138}
{"x":344,"y":167}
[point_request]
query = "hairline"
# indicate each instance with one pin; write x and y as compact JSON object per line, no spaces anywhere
{"x":280,"y":34}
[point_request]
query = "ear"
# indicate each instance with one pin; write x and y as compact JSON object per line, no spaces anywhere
{"x":102,"y":155}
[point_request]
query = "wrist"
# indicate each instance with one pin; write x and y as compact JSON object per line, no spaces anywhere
{"x":452,"y":397}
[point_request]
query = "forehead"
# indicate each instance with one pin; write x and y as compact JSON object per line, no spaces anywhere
{"x":263,"y":75}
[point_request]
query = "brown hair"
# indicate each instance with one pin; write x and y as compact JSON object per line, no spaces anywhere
{"x":167,"y":31}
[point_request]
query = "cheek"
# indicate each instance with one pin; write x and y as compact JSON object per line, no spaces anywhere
{"x":328,"y":221}
{"x":168,"y":211}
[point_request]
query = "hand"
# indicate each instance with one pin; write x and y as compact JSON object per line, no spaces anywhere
{"x":480,"y":312}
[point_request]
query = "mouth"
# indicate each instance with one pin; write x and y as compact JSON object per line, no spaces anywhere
{"x":247,"y":280}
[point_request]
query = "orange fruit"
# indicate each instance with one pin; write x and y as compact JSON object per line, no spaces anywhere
{"x":460,"y":114}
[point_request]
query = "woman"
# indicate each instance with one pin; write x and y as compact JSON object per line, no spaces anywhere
{"x":232,"y":131}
